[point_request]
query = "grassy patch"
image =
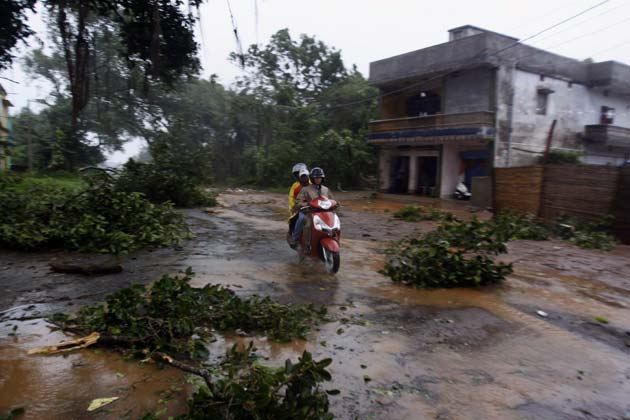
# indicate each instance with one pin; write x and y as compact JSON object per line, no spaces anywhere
{"x":90,"y":216}
{"x":31,"y":181}
{"x":421,"y":213}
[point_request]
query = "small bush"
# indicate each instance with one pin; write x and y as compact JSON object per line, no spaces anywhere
{"x":159,"y":185}
{"x":92,"y":218}
{"x":561,"y":157}
{"x":421,"y":213}
{"x":437,"y":265}
{"x":593,"y":235}
{"x":457,"y":254}
{"x":512,"y":226}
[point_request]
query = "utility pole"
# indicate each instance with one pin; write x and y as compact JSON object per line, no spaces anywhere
{"x":29,"y":138}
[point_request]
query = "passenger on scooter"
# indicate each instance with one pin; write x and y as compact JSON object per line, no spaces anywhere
{"x":306,"y":195}
{"x":300,"y":173}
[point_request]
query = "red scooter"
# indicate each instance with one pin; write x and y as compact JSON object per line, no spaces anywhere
{"x":325,"y":232}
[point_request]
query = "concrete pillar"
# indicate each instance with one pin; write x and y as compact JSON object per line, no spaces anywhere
{"x":450,"y":169}
{"x":383,"y":169}
{"x":413,"y":174}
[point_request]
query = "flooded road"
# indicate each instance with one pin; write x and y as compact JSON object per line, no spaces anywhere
{"x":398,"y":353}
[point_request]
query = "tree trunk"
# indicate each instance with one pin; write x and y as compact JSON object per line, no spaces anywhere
{"x":78,"y":73}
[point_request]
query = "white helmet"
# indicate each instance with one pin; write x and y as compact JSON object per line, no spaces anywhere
{"x":297,"y":168}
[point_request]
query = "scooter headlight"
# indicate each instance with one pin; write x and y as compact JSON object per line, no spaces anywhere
{"x":321,"y":225}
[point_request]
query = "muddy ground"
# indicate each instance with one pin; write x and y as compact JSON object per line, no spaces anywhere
{"x":445,"y":354}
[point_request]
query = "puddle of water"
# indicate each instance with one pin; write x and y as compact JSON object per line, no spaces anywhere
{"x":62,"y":386}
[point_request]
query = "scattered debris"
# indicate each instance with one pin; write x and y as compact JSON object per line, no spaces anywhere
{"x":542,"y":313}
{"x":65,"y":346}
{"x":91,"y":266}
{"x":100,"y":402}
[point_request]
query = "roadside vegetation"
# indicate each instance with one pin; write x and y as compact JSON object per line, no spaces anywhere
{"x":88,"y":215}
{"x":171,"y":322}
{"x":456,"y":254}
{"x":422,"y":213}
{"x":461,"y":254}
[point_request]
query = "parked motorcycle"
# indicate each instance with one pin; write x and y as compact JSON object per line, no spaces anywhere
{"x":461,"y":192}
{"x":325,"y":232}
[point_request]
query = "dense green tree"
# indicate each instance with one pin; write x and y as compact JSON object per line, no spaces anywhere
{"x":156,"y":40}
{"x":13,"y":27}
{"x":302,"y":88}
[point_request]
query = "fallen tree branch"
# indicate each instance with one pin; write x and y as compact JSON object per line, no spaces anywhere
{"x":107,"y":267}
{"x":64,"y":346}
{"x":204,"y":373}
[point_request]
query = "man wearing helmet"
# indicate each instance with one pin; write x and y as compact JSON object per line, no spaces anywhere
{"x":300,"y":174}
{"x":306,"y":195}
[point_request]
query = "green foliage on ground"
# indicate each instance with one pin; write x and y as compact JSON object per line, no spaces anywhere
{"x":512,"y":226}
{"x":457,"y":254}
{"x":243,"y":388}
{"x":460,"y":254}
{"x":246,"y":389}
{"x":590,"y":235}
{"x":561,"y":157}
{"x":421,"y":213}
{"x":28,"y":181}
{"x":94,"y":217}
{"x":175,"y":317}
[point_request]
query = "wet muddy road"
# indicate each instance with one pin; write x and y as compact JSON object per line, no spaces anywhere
{"x":398,"y":353}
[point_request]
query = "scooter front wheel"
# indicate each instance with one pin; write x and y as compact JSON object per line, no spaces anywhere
{"x":331,"y":260}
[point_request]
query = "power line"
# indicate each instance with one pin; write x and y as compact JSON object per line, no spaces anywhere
{"x":424,"y":82}
{"x":575,"y":38}
{"x":582,"y":21}
{"x":564,"y":5}
{"x":554,"y":26}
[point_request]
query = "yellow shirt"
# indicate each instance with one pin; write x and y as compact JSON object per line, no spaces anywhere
{"x":293,"y":192}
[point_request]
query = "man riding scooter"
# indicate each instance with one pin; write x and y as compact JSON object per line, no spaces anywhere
{"x":307,"y":194}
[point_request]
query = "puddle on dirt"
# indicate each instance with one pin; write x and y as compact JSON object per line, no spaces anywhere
{"x":62,"y":386}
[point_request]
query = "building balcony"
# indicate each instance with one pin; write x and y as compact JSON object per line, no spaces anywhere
{"x":608,"y":135}
{"x":432,"y":129}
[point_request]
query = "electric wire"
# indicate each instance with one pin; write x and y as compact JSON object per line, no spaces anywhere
{"x":459,"y":69}
{"x":569,"y":27}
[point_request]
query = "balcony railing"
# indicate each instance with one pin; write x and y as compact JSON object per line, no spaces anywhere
{"x":465,"y":119}
{"x":610,"y":135}
{"x":471,"y":124}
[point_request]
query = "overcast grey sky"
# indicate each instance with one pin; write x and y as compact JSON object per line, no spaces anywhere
{"x":369,"y":30}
